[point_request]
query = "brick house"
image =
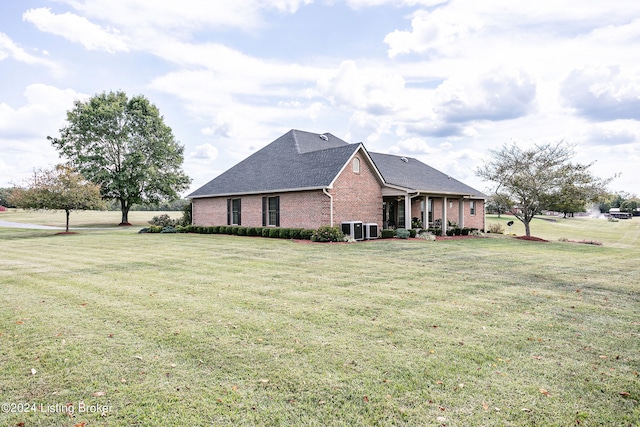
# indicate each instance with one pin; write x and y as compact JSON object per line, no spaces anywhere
{"x":306,"y":180}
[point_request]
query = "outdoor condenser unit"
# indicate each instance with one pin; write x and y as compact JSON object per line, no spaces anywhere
{"x":353,"y":229}
{"x":370,"y":231}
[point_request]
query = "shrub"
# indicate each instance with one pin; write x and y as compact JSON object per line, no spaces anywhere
{"x":296,"y":233}
{"x":242,"y":231}
{"x":274,"y":232}
{"x":168,"y":229}
{"x":450,"y":232}
{"x":251,"y":231}
{"x":465,"y":231}
{"x":427,"y":236}
{"x":144,"y":230}
{"x":457,"y":231}
{"x":285,"y":233}
{"x":306,"y":234}
{"x":155,"y":229}
{"x":162,"y":220}
{"x":496,"y":228}
{"x":265,"y":232}
{"x":215,"y":229}
{"x":222,"y":229}
{"x":233,"y":230}
{"x":388,"y":234}
{"x":327,"y":234}
{"x":402,"y":233}
{"x":412,"y":233}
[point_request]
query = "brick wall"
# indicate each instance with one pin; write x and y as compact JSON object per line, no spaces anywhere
{"x":357,"y":196}
{"x":304,"y":209}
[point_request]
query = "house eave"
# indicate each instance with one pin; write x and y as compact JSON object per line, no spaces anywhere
{"x":253,"y":193}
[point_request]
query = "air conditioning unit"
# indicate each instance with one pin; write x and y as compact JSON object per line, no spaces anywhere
{"x":353,"y":229}
{"x":370,"y":231}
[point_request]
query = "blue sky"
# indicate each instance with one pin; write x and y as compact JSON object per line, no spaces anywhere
{"x":442,"y":81}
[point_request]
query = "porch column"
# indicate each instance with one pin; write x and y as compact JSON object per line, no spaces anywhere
{"x":461,"y":213}
{"x":425,"y":217}
{"x":407,"y":211}
{"x":444,"y":216}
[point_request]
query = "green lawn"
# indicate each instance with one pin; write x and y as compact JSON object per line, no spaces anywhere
{"x":190,"y":330}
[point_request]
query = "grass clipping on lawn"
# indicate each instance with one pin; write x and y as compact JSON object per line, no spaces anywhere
{"x":223,"y":330}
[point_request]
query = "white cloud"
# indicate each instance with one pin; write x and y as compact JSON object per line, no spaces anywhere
{"x":204,"y":152}
{"x":603,"y":93}
{"x":76,"y":29}
{"x":24,"y":129}
{"x":367,"y":90}
{"x":9,"y":49}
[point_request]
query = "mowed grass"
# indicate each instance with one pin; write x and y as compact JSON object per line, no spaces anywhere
{"x":177,"y":329}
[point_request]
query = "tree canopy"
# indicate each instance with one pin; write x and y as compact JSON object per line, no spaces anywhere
{"x":540,"y":177}
{"x":60,"y":188}
{"x":123,"y":146}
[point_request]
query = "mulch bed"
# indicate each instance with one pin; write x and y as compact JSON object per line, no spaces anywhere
{"x":531,"y":238}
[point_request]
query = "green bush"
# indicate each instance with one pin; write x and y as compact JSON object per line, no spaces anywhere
{"x":265,"y":232}
{"x":274,"y":232}
{"x":388,"y":234}
{"x":155,"y":229}
{"x":450,"y":232}
{"x":162,"y":220}
{"x":412,"y":233}
{"x":457,"y":231}
{"x":295,"y":233}
{"x":327,"y":234}
{"x":306,"y":234}
{"x":233,"y":230}
{"x":169,"y":229}
{"x":251,"y":231}
{"x":242,"y":231}
{"x":144,"y":230}
{"x":285,"y":233}
{"x":402,"y":233}
{"x":258,"y":231}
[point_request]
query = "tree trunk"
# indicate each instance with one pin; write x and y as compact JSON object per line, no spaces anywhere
{"x":67,"y":212}
{"x":527,"y":229}
{"x":124,"y":208}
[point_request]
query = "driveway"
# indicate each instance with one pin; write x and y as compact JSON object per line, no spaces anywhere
{"x":32,"y":226}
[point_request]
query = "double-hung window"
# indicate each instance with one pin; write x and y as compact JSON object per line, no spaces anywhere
{"x":234,"y":216}
{"x":271,"y":211}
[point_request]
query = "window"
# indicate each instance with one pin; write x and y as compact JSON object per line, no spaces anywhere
{"x":472,"y":207}
{"x":271,"y":211}
{"x":356,"y":165}
{"x":233,"y":212}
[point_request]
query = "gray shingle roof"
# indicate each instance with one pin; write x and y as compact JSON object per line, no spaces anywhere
{"x":415,"y":175}
{"x":296,"y":160}
{"x":304,"y":160}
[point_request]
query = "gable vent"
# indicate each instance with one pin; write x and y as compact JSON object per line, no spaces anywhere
{"x":324,"y":137}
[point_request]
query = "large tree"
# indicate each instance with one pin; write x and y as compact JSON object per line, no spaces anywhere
{"x":124,"y":146}
{"x":534,"y":177}
{"x":60,"y":188}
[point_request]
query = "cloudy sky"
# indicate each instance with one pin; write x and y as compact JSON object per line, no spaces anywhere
{"x":442,"y":81}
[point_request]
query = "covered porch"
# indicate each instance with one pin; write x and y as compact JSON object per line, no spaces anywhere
{"x":426,"y":210}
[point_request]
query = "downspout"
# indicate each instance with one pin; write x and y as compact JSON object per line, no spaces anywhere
{"x":324,"y":190}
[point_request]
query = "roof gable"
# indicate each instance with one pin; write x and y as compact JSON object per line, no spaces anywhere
{"x":297,"y":160}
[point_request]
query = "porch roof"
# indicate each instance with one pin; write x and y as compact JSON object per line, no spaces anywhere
{"x":412,"y":174}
